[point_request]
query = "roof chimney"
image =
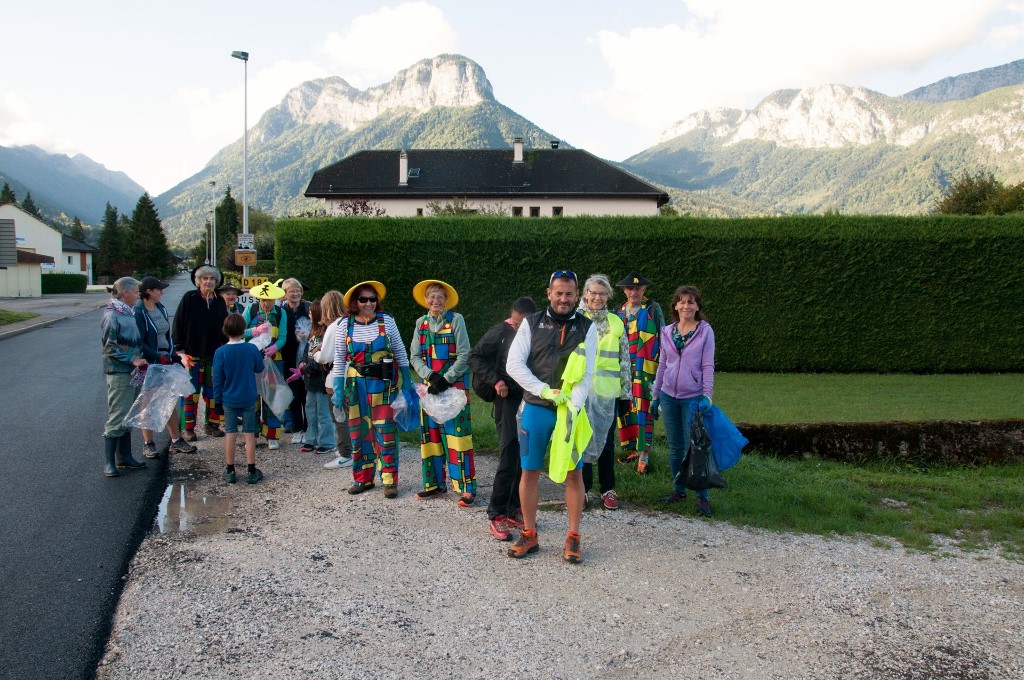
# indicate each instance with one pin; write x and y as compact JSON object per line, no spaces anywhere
{"x":517,"y":150}
{"x":403,"y":169}
{"x":554,"y":143}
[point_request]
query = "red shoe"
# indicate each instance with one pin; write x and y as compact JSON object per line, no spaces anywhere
{"x":610,"y":500}
{"x":499,"y":528}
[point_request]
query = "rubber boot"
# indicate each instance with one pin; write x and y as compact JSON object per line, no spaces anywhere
{"x":110,"y":450}
{"x":124,"y":451}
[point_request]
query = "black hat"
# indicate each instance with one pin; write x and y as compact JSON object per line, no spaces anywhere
{"x":229,"y":286}
{"x":149,"y":283}
{"x":634,"y":279}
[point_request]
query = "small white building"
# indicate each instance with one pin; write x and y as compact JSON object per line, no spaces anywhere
{"x":61,"y":253}
{"x":76,"y":258}
{"x":517,"y":182}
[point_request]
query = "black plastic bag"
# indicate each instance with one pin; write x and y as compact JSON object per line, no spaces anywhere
{"x":701,"y":471}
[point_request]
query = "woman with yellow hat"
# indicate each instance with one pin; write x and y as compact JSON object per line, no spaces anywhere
{"x":265,"y":317}
{"x":439,"y":354}
{"x":368,"y":357}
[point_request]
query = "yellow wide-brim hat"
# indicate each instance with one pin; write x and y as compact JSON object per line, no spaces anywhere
{"x":376,"y":285}
{"x":267,"y":291}
{"x":419,"y":293}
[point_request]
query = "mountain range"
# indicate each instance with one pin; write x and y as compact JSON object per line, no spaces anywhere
{"x":832,"y":147}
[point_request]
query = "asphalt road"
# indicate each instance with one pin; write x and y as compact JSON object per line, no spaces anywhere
{"x":67,"y":533}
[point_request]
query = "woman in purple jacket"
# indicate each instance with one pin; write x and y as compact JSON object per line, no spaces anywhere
{"x":686,"y":374}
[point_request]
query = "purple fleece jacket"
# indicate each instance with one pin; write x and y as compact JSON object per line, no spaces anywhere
{"x":691,"y":372}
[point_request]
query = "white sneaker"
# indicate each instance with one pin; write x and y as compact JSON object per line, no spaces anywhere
{"x":273,"y":444}
{"x":338,"y":462}
{"x":297,"y":437}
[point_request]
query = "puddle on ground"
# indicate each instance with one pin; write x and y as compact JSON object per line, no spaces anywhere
{"x":184,"y":509}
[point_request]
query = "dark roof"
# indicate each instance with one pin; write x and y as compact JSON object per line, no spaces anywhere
{"x":25,"y":257}
{"x":74,"y":245}
{"x":478,"y":173}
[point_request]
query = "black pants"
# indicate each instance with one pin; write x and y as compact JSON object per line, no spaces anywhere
{"x":605,"y":465}
{"x":505,"y":491}
{"x":297,"y":408}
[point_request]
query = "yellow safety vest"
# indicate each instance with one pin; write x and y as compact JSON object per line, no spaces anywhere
{"x":607,"y":376}
{"x":572,"y":430}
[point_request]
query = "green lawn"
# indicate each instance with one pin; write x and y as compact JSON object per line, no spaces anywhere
{"x":7,"y":316}
{"x":974,"y":507}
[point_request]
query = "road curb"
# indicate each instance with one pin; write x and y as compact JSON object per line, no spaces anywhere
{"x":38,"y":322}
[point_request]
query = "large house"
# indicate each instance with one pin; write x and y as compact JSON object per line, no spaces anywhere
{"x":519,"y":182}
{"x":65,"y":254}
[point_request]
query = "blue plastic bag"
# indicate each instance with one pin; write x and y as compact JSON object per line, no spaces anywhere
{"x":727,"y":441}
{"x":406,"y":407}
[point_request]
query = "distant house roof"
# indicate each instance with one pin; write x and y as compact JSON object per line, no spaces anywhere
{"x":25,"y":257}
{"x":75,"y":246}
{"x":478,"y":173}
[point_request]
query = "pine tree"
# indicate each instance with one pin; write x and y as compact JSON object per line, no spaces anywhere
{"x":229,"y":223}
{"x":29,"y":206}
{"x":7,"y":196}
{"x":111,"y":243}
{"x":148,"y":240}
{"x":77,"y":230}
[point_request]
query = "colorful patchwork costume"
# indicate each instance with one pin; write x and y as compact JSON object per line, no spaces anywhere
{"x":441,"y":346}
{"x":255,"y":316}
{"x":636,"y":428}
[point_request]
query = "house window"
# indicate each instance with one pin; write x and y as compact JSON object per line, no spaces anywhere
{"x":69,"y":259}
{"x":556,"y":211}
{"x":419,"y":212}
{"x":534,"y":211}
{"x":517,"y":211}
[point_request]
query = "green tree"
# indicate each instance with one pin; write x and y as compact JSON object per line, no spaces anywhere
{"x":148,"y":242}
{"x":111,"y":243}
{"x":1009,"y":200}
{"x":7,"y":196}
{"x":29,"y":206}
{"x":77,"y":230}
{"x":969,"y":195}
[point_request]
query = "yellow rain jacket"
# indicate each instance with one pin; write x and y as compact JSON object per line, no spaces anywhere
{"x":572,"y":428}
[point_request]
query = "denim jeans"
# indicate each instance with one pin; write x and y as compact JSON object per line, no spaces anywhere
{"x":319,"y":424}
{"x":675,"y":413}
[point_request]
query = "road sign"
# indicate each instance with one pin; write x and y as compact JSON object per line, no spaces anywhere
{"x":246,"y":241}
{"x":245,"y":257}
{"x":253,"y":281}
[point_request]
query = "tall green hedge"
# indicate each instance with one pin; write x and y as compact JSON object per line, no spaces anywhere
{"x":798,"y":293}
{"x":63,"y":283}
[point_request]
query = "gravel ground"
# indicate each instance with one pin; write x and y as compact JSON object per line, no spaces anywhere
{"x":293,"y":578}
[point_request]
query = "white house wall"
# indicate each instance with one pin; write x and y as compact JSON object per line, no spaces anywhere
{"x":74,"y":266}
{"x":32,"y":235}
{"x":21,"y":281}
{"x":411,"y":207}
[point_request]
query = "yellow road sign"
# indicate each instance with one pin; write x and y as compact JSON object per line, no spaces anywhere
{"x":253,"y":281}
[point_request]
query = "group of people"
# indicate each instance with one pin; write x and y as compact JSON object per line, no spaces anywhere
{"x":566,"y":382}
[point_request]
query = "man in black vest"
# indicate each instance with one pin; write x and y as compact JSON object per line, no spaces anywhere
{"x":536,"y":361}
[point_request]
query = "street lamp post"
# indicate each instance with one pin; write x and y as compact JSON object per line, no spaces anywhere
{"x":211,"y":240}
{"x":244,"y":56}
{"x":213,"y":185}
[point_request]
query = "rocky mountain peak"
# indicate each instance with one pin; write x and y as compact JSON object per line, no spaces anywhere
{"x":445,"y":80}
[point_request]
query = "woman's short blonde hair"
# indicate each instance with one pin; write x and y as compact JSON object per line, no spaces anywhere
{"x":291,"y":283}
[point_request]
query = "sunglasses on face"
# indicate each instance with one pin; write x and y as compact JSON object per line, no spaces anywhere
{"x":366,"y":299}
{"x":562,"y":274}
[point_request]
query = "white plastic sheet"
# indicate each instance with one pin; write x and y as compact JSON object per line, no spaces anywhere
{"x":601,"y":412}
{"x":441,"y":407}
{"x":159,"y":395}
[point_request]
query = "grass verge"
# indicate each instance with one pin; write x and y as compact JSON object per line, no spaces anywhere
{"x":7,"y":316}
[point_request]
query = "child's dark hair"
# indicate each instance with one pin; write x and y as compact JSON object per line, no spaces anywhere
{"x":234,"y":326}
{"x":524,"y":306}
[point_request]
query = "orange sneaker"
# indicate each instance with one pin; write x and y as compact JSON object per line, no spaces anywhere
{"x":573,"y":551}
{"x":643,"y":467}
{"x":525,"y":544}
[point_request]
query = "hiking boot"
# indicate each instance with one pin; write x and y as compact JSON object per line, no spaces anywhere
{"x":307,"y":448}
{"x":431,"y":493}
{"x":573,"y":550}
{"x":524,"y":545}
{"x":190,"y":436}
{"x":499,"y":528}
{"x":704,"y":507}
{"x":359,"y":487}
{"x":390,"y":491}
{"x":149,"y":450}
{"x":339,"y":462}
{"x":181,"y":446}
{"x":212,"y":430}
{"x":467,"y":500}
{"x":230,"y":476}
{"x":674,"y":498}
{"x":629,"y":457}
{"x":253,"y":476}
{"x":610,"y":500}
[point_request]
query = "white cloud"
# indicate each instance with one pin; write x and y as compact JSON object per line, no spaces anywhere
{"x":19,"y":127}
{"x":732,"y":53}
{"x":377,"y":45}
{"x":1008,"y":35}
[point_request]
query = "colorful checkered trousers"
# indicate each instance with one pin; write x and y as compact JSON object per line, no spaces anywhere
{"x":636,"y":428}
{"x":202,"y":381}
{"x":371,"y":421}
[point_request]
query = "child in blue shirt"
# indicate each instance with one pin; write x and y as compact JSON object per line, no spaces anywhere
{"x":235,"y":366}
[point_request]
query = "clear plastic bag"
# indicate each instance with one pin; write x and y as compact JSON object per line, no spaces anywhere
{"x":302,"y":327}
{"x":273,"y":389}
{"x":262,"y":341}
{"x":441,"y":407}
{"x":406,"y":406}
{"x":601,"y":412}
{"x":162,"y":388}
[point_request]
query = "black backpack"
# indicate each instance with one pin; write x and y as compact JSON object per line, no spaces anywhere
{"x":482,"y":389}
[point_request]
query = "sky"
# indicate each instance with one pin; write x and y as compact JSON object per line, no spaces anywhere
{"x":150,"y":89}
